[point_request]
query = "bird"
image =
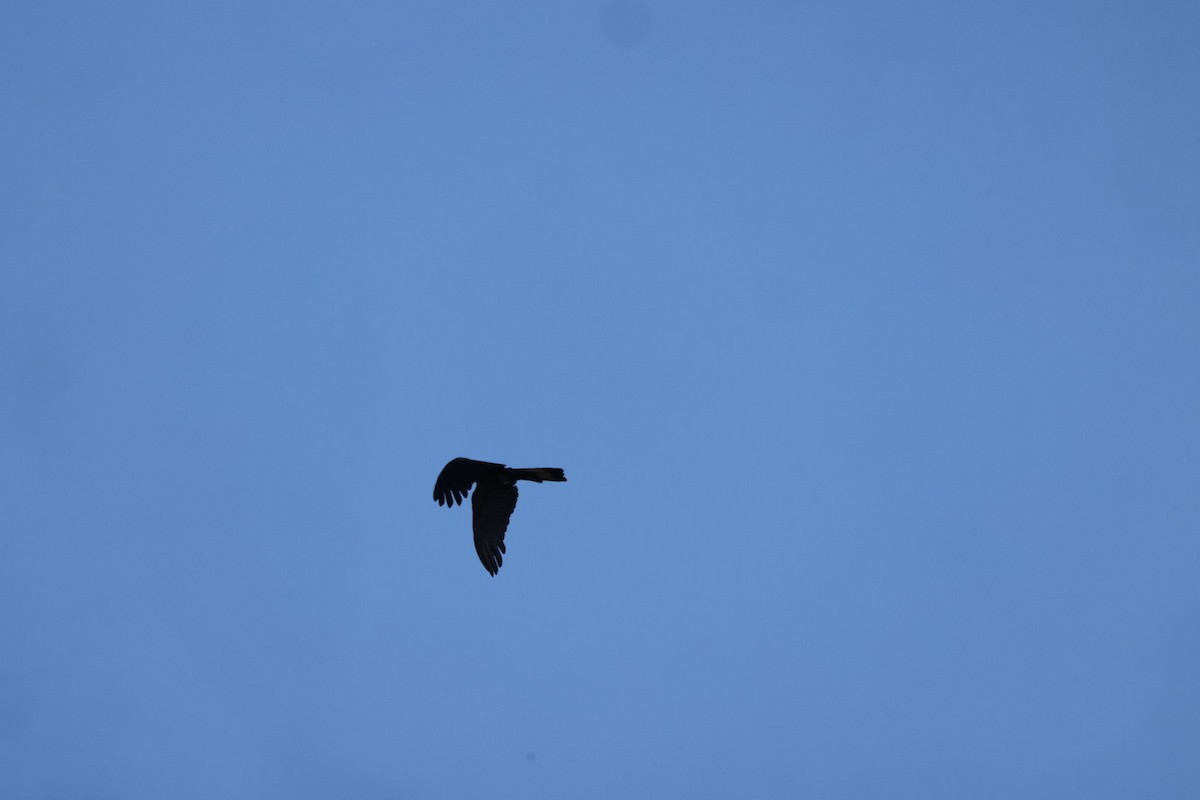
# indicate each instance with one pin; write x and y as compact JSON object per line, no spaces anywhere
{"x":492,"y":503}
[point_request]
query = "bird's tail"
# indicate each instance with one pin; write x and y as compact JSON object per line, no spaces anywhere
{"x":538,"y":474}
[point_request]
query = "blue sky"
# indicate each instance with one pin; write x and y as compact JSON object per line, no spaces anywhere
{"x":868,"y":336}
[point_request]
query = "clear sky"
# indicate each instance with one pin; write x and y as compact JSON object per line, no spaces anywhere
{"x":868,"y":335}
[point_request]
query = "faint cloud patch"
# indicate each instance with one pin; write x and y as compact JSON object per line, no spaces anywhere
{"x":625,"y":23}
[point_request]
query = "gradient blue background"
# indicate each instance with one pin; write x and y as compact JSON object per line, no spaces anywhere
{"x":868,"y":335}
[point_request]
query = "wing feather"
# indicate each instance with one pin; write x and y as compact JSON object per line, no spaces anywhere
{"x":454,"y":482}
{"x":491,"y":508}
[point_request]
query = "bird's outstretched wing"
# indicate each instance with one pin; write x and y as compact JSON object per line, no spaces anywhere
{"x":491,"y":507}
{"x":454,"y":482}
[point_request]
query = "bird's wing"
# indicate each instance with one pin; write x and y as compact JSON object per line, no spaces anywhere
{"x":491,"y":507}
{"x":454,"y":482}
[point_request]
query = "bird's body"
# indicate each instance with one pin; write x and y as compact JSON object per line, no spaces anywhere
{"x":492,"y":503}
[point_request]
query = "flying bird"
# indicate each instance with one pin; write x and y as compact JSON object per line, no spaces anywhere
{"x":493,"y":502}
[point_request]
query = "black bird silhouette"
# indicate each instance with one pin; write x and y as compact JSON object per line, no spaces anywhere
{"x":493,"y":502}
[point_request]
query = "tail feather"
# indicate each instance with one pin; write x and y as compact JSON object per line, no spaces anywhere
{"x":538,"y":474}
